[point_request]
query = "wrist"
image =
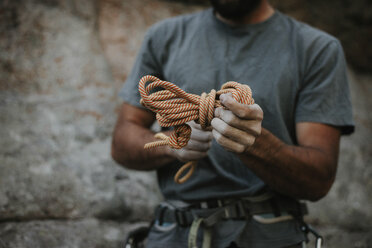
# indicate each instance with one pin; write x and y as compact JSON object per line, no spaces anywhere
{"x":266,"y":143}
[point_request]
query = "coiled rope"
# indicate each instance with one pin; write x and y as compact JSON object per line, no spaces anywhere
{"x":174,"y":107}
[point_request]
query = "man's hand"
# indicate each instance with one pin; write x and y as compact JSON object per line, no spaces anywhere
{"x":237,"y":127}
{"x":198,"y":145}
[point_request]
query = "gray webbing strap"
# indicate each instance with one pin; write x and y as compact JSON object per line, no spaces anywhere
{"x":207,"y":222}
{"x":193,"y":234}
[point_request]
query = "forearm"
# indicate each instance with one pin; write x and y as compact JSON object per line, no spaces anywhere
{"x":297,"y":171}
{"x":128,"y":148}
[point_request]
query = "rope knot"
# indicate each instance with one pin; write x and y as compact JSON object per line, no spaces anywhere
{"x":175,"y":107}
{"x":180,"y":137}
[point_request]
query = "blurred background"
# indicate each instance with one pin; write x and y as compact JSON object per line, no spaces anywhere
{"x":62,"y":63}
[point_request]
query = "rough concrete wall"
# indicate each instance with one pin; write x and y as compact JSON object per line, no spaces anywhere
{"x":58,"y":184}
{"x":61,"y":66}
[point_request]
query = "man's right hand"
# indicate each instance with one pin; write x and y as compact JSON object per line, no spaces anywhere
{"x":198,"y":145}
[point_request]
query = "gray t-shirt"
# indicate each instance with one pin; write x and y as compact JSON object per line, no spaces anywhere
{"x":297,"y":74}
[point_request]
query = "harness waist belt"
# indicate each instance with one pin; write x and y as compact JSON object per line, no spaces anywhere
{"x":227,"y":209}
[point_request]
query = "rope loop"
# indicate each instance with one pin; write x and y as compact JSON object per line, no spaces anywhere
{"x":174,"y":108}
{"x":242,"y":93}
{"x":207,"y":104}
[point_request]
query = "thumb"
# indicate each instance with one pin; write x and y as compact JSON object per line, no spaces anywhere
{"x":230,"y":103}
{"x":243,"y":111}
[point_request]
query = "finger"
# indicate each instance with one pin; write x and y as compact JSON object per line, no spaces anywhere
{"x":195,"y":125}
{"x":188,"y":155}
{"x":251,"y":126}
{"x":195,"y":145}
{"x":200,"y":135}
{"x":226,"y":143}
{"x":250,"y":112}
{"x":232,"y":133}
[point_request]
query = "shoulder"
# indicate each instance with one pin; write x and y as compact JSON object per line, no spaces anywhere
{"x":312,"y":46}
{"x":309,"y":38}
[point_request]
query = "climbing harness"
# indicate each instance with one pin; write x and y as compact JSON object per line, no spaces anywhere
{"x":174,"y":107}
{"x":265,"y":209}
{"x":206,"y":214}
{"x":308,"y":229}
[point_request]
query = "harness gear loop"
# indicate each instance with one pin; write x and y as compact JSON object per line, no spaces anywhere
{"x":191,"y":165}
{"x":193,"y":234}
{"x":174,"y":107}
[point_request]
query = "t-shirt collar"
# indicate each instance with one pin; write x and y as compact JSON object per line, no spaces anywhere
{"x":244,"y":28}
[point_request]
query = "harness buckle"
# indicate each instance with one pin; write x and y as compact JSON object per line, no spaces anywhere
{"x":306,"y":228}
{"x":227,"y":212}
{"x":241,"y":211}
{"x":181,"y":218}
{"x":235,"y":210}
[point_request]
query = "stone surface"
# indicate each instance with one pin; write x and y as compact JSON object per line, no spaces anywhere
{"x":57,"y":105}
{"x":87,"y":233}
{"x":122,"y":26}
{"x":336,"y":237}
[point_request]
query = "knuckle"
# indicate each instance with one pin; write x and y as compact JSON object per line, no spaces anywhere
{"x":219,"y":139}
{"x":216,"y":136}
{"x":252,"y":141}
{"x":229,"y":117}
{"x":240,"y":149}
{"x":223,"y":129}
{"x":237,"y":148}
{"x":258,"y":112}
{"x":256,"y":130}
{"x":222,"y":114}
{"x":248,"y":140}
{"x":217,"y":112}
{"x":213,"y":122}
{"x":241,"y":113}
{"x":260,"y":116}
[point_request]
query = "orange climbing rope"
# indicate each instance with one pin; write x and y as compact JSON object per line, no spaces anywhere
{"x":174,"y":107}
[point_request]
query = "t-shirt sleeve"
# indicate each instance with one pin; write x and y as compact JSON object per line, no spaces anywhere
{"x":324,"y":96}
{"x":146,"y":64}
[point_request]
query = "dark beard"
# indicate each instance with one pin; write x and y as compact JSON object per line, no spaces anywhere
{"x":234,"y":9}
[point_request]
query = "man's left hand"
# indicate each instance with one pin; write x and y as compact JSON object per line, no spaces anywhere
{"x":237,"y":127}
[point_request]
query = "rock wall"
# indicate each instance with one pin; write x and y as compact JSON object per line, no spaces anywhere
{"x":62,"y":63}
{"x":58,"y":184}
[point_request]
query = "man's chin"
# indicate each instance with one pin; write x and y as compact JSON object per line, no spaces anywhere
{"x":231,"y":16}
{"x":234,"y":10}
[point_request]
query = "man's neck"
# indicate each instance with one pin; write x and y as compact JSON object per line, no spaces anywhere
{"x":263,"y":12}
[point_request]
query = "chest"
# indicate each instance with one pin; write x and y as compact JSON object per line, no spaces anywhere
{"x":205,"y":62}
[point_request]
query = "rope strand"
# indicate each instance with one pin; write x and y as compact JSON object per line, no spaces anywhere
{"x":174,"y":107}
